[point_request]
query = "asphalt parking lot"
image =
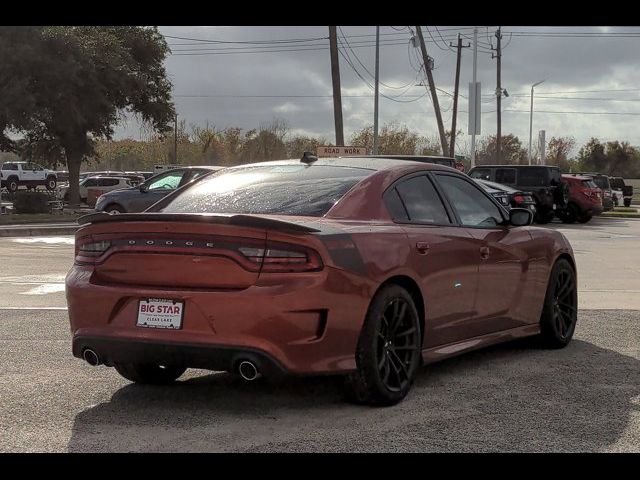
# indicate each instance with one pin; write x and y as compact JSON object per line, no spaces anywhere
{"x":513,"y":397}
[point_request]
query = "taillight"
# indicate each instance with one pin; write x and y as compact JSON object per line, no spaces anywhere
{"x":283,"y":257}
{"x":518,"y":198}
{"x":88,"y":249}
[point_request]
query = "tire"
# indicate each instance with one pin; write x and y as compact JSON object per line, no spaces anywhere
{"x":560,"y":309}
{"x":570,"y":214}
{"x":543,"y":218}
{"x":388,"y":354}
{"x":627,"y":202}
{"x":114,"y":209}
{"x":584,"y":218}
{"x":149,"y":373}
{"x":51,"y":183}
{"x":12,"y":184}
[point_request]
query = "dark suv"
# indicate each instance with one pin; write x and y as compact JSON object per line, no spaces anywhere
{"x":544,"y":182}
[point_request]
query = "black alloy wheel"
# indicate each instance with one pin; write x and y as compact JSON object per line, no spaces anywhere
{"x":560,"y":311}
{"x":389,"y":349}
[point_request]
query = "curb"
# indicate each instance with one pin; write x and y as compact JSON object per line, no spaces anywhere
{"x":34,"y":231}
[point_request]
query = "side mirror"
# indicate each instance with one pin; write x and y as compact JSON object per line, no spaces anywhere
{"x":520,"y":217}
{"x":143,"y":188}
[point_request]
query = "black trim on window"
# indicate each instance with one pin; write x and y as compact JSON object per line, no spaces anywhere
{"x":454,"y":222}
{"x":501,"y":209}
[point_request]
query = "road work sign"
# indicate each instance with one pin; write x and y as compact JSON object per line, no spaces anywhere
{"x":340,"y":151}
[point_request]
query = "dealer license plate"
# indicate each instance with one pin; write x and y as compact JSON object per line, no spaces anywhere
{"x":160,"y":313}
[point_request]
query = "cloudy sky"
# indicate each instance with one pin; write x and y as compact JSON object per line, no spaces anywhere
{"x":246,"y":76}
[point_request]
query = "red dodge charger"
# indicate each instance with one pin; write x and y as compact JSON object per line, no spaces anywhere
{"x":363,"y":267}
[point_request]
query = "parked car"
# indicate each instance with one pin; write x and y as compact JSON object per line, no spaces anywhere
{"x":140,"y":198}
{"x":144,"y":175}
{"x":435,"y":159}
{"x":26,"y":174}
{"x":602,"y":182}
{"x":509,"y":197}
{"x":617,"y":183}
{"x":544,"y":182}
{"x":62,"y":176}
{"x":585,"y":199}
{"x":359,"y":267}
{"x":104,"y":183}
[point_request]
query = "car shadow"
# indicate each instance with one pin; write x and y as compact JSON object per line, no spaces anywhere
{"x":512,"y":397}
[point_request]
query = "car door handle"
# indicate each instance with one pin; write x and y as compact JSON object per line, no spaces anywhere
{"x":484,"y":253}
{"x":422,"y":247}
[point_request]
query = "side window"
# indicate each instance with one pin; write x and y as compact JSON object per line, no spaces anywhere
{"x":422,"y":202}
{"x":532,"y":177}
{"x":108,"y":182}
{"x":92,"y":182}
{"x":474,"y":208}
{"x":506,"y":175}
{"x":168,"y":181}
{"x":481,"y":173}
{"x":394,"y":205}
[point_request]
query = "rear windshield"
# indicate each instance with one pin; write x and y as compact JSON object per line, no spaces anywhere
{"x":270,"y":189}
{"x":482,"y":173}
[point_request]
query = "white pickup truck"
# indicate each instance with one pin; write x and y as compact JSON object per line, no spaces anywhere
{"x":28,"y":174}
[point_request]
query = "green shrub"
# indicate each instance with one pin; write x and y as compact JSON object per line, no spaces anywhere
{"x":31,"y":202}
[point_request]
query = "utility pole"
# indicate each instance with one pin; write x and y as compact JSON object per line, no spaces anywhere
{"x":175,"y":140}
{"x":335,"y":79}
{"x":375,"y":104}
{"x":434,"y":94}
{"x":498,"y":97}
{"x":452,"y":147}
{"x":475,"y":69}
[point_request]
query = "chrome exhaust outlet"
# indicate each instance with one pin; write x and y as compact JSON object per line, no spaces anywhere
{"x":91,"y":357}
{"x":248,"y":371}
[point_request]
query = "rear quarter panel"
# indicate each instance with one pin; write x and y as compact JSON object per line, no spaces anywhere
{"x":546,"y":247}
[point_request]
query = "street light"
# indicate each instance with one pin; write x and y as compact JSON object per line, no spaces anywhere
{"x":531,"y":117}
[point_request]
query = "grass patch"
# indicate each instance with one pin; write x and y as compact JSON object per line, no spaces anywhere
{"x":620,"y":214}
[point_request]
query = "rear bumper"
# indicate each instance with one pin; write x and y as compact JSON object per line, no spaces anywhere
{"x":301,"y":325}
{"x":212,"y":357}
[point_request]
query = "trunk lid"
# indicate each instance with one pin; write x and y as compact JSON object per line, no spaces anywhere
{"x":177,"y":251}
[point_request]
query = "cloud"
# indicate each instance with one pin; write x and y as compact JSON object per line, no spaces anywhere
{"x":246,"y":89}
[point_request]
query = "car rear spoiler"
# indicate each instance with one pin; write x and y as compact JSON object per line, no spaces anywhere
{"x":242,"y":220}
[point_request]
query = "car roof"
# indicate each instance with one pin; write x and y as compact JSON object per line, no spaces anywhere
{"x":515,"y":166}
{"x":374,"y":163}
{"x":102,"y":177}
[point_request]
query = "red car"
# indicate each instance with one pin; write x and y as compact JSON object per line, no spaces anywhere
{"x":585,"y":200}
{"x":365,"y":268}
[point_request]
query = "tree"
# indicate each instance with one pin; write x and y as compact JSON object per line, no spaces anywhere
{"x":267,"y":143}
{"x":592,"y":156}
{"x":511,"y":152}
{"x":393,"y":139}
{"x":558,"y":151}
{"x":70,"y":85}
{"x":299,"y":144}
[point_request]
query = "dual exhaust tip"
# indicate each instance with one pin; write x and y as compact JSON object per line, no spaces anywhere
{"x":246,"y":368}
{"x":91,"y":357}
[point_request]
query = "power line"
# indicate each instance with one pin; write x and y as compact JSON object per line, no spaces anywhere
{"x":407,"y":86}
